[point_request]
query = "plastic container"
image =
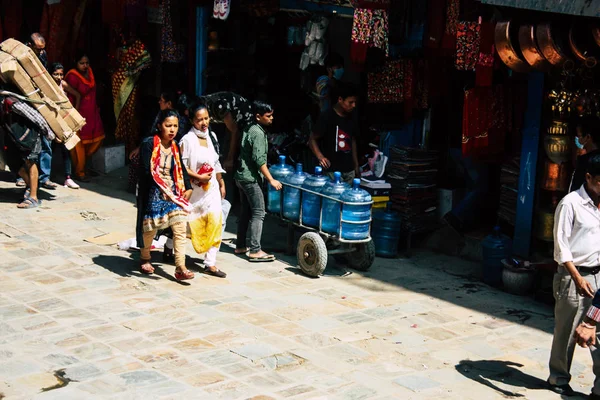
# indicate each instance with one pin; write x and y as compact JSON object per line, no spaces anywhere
{"x":330,"y":210}
{"x":386,"y":232}
{"x":495,"y":248}
{"x":291,"y":196}
{"x":280,"y":172}
{"x":311,"y":203}
{"x":355,"y":219}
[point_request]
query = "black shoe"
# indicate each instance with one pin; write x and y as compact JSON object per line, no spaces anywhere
{"x":563,"y":390}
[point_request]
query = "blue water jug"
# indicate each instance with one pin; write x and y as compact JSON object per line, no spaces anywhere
{"x":495,"y":248}
{"x":311,"y":203}
{"x":386,"y":232}
{"x":279,"y":172}
{"x":291,"y":196}
{"x":331,"y":209}
{"x":356,"y":219}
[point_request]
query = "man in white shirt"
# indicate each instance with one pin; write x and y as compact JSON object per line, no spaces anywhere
{"x":577,"y":251}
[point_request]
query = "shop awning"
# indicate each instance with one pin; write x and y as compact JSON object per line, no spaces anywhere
{"x":588,"y":8}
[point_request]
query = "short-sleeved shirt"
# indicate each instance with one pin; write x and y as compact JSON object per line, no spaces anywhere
{"x":335,"y":135}
{"x":253,"y":154}
{"x":221,"y":103}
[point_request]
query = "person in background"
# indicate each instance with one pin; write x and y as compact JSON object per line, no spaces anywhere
{"x":588,"y":138}
{"x":58,"y":72}
{"x":198,"y":151}
{"x":576,"y":250}
{"x":164,"y":193}
{"x":81,"y":80}
{"x":235,"y":112}
{"x":37,"y":43}
{"x":334,"y":64}
{"x":334,"y":138}
{"x":248,"y":178}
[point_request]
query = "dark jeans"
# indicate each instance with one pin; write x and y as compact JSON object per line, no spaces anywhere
{"x":252,"y":202}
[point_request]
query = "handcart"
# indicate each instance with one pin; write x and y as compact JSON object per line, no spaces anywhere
{"x":314,"y":246}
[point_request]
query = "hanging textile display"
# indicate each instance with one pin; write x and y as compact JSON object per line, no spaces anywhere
{"x":124,"y":90}
{"x":452,"y":14}
{"x":435,"y":24}
{"x":57,"y":27}
{"x":484,"y":121}
{"x":387,"y":84}
{"x":484,"y":70}
{"x":468,"y":39}
{"x":170,"y":51}
{"x":369,"y":29}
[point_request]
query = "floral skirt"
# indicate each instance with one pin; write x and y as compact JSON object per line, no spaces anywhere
{"x":161,"y":213}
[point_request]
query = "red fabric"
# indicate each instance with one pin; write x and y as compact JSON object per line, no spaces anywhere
{"x":358,"y":54}
{"x":57,"y":27}
{"x":452,"y":14}
{"x":113,"y":12}
{"x":12,"y":18}
{"x":88,"y":108}
{"x":468,"y":38}
{"x":484,"y":122}
{"x":484,"y":70}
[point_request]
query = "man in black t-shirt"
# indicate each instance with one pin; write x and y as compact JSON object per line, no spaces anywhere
{"x":334,"y":137}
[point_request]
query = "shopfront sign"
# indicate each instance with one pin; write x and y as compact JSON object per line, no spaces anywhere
{"x":588,"y":8}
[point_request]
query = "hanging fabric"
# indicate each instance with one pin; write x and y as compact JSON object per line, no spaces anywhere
{"x":170,"y":51}
{"x":468,"y":39}
{"x":369,"y":29}
{"x":435,"y":24}
{"x":484,"y":70}
{"x":484,"y":121}
{"x":452,"y":14}
{"x":386,"y":85}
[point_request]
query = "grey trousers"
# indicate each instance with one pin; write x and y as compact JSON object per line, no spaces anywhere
{"x":252,"y":215}
{"x":569,"y":310}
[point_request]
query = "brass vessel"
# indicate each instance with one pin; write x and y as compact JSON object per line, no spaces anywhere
{"x":558,"y":128}
{"x":556,"y":177}
{"x":547,"y":40}
{"x":544,"y":225}
{"x":558,"y":148}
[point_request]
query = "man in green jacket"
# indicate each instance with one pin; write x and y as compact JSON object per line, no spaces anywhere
{"x":248,"y":178}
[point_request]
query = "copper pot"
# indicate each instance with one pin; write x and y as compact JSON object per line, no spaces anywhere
{"x":530,"y":49}
{"x":507,"y":52}
{"x":581,"y":44}
{"x":596,"y":34}
{"x":558,"y":148}
{"x":556,"y":177}
{"x":544,"y":225}
{"x":558,"y":128}
{"x":548,"y":41}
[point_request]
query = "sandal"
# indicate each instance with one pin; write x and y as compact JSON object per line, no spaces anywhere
{"x":265,"y":258}
{"x":184,"y":275}
{"x":29,"y":202}
{"x":20,"y":182}
{"x":48,"y":185}
{"x":146,"y":267}
{"x":218,"y":273}
{"x":27,"y":193}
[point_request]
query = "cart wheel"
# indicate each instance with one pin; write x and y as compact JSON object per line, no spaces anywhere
{"x":363,"y":257}
{"x":312,"y":254}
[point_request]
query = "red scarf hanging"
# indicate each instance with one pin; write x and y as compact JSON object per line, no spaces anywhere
{"x":176,"y":197}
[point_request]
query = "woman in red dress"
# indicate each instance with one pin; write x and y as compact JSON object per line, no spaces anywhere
{"x":81,"y":79}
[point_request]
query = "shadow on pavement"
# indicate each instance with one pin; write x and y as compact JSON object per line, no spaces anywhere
{"x":496,"y":373}
{"x":128,"y":267}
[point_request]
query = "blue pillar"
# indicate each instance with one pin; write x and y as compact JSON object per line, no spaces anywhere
{"x":529,"y":158}
{"x":201,"y":48}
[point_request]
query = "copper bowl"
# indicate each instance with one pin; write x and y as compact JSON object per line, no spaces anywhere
{"x":507,"y":52}
{"x":582,"y":44}
{"x":556,"y":177}
{"x":558,"y":148}
{"x":530,"y":49}
{"x":548,"y":41}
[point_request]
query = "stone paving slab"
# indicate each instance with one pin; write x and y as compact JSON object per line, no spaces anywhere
{"x":78,"y":321}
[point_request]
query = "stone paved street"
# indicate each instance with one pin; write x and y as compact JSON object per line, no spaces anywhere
{"x":77,"y":321}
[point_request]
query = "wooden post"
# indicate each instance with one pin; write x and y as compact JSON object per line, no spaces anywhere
{"x":529,"y":157}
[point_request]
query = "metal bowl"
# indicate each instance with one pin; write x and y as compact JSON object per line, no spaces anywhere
{"x":530,"y":49}
{"x":507,"y":52}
